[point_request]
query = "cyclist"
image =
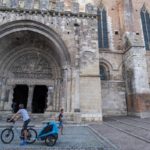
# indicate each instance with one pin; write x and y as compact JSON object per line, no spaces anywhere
{"x":26,"y":119}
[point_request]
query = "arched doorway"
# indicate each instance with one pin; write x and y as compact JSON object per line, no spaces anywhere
{"x":34,"y":55}
{"x":20,"y":96}
{"x":39,"y":101}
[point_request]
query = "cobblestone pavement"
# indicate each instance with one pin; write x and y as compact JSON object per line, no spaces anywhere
{"x":115,"y":133}
{"x":75,"y":137}
{"x":126,"y":133}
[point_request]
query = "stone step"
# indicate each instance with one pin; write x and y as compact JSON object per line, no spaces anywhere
{"x":39,"y":117}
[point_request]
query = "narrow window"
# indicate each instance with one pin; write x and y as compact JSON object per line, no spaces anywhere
{"x":103,"y":73}
{"x":102,"y":28}
{"x":145,"y":18}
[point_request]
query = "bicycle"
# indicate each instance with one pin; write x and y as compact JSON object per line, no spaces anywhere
{"x":7,"y":135}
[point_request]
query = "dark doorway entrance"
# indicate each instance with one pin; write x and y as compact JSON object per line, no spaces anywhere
{"x":39,"y":102}
{"x":20,"y":96}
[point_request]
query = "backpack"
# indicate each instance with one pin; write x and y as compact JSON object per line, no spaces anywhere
{"x":60,"y":117}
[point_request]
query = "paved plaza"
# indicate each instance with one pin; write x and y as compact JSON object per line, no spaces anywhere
{"x":75,"y":137}
{"x":115,"y":133}
{"x":126,"y":133}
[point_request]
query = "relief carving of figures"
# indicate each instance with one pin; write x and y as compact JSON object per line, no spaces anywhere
{"x":32,"y":66}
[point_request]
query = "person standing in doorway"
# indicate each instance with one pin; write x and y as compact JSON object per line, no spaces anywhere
{"x":60,"y":119}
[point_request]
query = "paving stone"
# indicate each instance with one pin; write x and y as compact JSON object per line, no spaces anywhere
{"x":74,"y":138}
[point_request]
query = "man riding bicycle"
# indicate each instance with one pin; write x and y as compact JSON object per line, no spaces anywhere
{"x":26,"y":119}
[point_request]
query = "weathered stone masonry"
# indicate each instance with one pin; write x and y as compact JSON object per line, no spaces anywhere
{"x":66,"y":43}
{"x":55,"y":44}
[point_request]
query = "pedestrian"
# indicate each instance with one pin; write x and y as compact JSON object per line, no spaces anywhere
{"x":60,"y":119}
{"x":26,"y":119}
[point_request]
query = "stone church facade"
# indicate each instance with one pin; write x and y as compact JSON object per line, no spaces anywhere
{"x":90,"y":57}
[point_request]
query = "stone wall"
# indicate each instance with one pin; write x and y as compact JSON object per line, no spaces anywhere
{"x":148,"y":64}
{"x":113,"y":89}
{"x":47,"y":5}
{"x":119,"y":26}
{"x":113,"y":98}
{"x":64,"y":25}
{"x":78,"y":32}
{"x":76,"y":24}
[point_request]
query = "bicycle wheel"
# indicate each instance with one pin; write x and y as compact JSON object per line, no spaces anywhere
{"x":50,"y":140}
{"x":7,"y":136}
{"x":31,"y":136}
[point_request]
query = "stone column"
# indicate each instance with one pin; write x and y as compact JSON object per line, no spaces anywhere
{"x":10,"y":98}
{"x":137,"y":84}
{"x":50,"y":98}
{"x":30,"y":97}
{"x":77,"y":92}
{"x":58,"y":95}
{"x":69,"y":88}
{"x":8,"y":101}
{"x":54,"y":95}
{"x":77,"y":69}
{"x":64,"y":89}
{"x":72,"y":102}
{"x":3,"y":92}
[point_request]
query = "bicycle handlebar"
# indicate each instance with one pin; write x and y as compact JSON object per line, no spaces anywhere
{"x":10,"y":120}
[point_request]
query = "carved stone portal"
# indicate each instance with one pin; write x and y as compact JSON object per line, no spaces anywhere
{"x":32,"y":66}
